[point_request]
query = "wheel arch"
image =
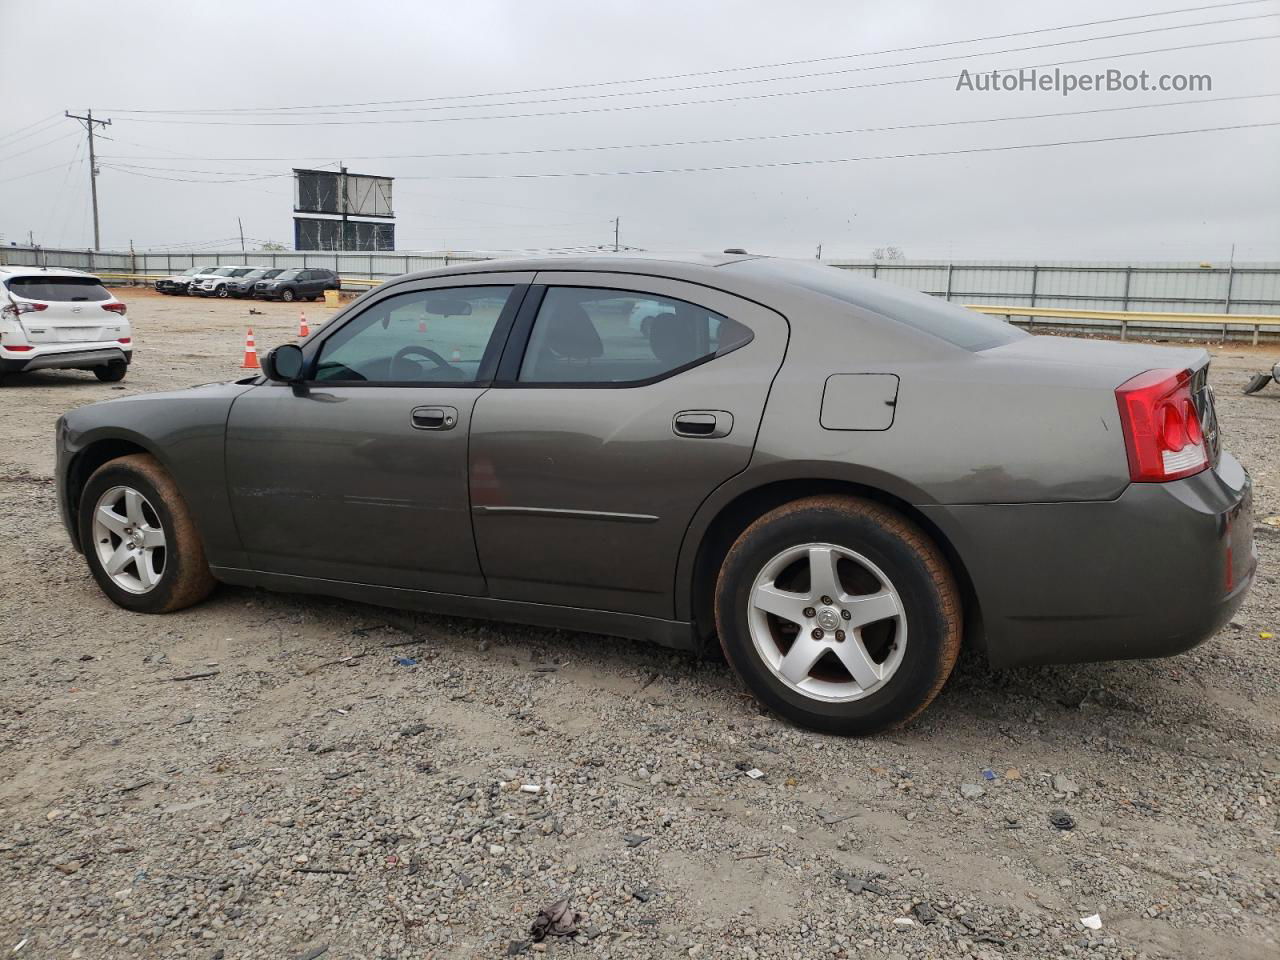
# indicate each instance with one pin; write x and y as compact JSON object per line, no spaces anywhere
{"x":728,"y":512}
{"x":88,"y":459}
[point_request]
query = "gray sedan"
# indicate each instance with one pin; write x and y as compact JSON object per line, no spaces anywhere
{"x":837,"y":480}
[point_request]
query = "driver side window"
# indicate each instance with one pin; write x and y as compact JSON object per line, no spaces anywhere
{"x":424,"y":336}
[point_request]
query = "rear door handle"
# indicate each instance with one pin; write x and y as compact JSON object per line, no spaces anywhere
{"x":434,"y":418}
{"x":704,"y":424}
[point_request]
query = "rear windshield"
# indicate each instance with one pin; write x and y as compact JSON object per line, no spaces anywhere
{"x":963,"y":328}
{"x":59,"y":289}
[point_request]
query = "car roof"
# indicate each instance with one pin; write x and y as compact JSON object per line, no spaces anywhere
{"x":676,"y":265}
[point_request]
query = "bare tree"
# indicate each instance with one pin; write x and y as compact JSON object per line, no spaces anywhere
{"x":888,"y":253}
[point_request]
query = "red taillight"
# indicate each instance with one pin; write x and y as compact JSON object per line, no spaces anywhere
{"x":1162,"y":434}
{"x":114,"y":307}
{"x":15,"y":347}
{"x":14,"y":309}
{"x":125,"y":340}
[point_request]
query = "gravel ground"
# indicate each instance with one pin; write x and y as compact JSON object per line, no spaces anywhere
{"x":347,"y":781}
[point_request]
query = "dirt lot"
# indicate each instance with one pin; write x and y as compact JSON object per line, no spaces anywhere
{"x":316,"y":791}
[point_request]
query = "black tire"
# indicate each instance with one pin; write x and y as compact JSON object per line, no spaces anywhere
{"x":223,"y":292}
{"x":185,"y":578}
{"x":287,"y":295}
{"x":112,"y":372}
{"x":911,"y":562}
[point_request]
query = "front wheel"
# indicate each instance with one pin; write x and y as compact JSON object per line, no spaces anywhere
{"x":223,"y":291}
{"x":139,"y":539}
{"x":287,"y":295}
{"x":839,"y":614}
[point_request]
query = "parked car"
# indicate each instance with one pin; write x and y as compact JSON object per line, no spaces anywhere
{"x":297,"y":284}
{"x":215,"y":284}
{"x":243,"y":286}
{"x":838,"y":480}
{"x":178,"y":282}
{"x":62,"y":319}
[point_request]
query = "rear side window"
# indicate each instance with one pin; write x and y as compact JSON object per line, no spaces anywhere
{"x":963,"y":328}
{"x":59,"y":289}
{"x":586,"y":335}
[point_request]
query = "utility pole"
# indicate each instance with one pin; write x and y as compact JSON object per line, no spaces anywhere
{"x":342,"y":237}
{"x":89,"y":122}
{"x":616,"y":222}
{"x":241,"y":226}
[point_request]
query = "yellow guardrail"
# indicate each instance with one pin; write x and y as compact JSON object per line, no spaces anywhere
{"x":1140,"y":317}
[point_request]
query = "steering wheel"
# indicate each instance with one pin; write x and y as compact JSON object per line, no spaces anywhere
{"x":405,"y":353}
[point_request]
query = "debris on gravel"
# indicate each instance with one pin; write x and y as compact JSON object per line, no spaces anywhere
{"x":372,"y":810}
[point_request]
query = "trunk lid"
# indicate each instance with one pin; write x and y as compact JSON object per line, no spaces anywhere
{"x":1109,"y":363}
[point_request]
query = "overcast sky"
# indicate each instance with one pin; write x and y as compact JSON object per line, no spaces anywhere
{"x":1187,"y":197}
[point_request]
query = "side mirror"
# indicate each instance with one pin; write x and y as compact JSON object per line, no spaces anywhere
{"x":284,"y":363}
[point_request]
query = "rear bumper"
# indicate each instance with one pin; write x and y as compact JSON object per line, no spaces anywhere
{"x":1150,"y":574}
{"x":80,"y":359}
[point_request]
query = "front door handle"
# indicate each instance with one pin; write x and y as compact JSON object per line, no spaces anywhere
{"x":704,"y":424}
{"x":434,"y":418}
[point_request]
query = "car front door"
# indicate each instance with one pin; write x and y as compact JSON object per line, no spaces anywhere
{"x":360,"y":473}
{"x":600,"y":439}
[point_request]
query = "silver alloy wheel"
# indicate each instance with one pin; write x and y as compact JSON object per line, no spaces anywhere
{"x":129,"y":539}
{"x":827,"y":619}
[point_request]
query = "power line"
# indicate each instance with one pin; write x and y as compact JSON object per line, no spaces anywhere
{"x":723,"y":70}
{"x":12,"y":136}
{"x":716,"y":140}
{"x":685,"y":103}
{"x":22,"y":153}
{"x":779,"y":163}
{"x":802,"y":76}
{"x":801,"y":163}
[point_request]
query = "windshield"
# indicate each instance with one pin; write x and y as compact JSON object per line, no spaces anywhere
{"x":223,"y":272}
{"x":191,"y":272}
{"x":289,"y":275}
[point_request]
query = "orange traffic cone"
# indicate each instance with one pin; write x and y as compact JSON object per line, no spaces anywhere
{"x":303,"y":330}
{"x":250,"y":353}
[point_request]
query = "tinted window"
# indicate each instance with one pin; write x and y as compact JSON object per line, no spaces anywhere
{"x":963,"y":328}
{"x":59,"y":289}
{"x":611,"y":336}
{"x":290,"y":275}
{"x":426,"y":336}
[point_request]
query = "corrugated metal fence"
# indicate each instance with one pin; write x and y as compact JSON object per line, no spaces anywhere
{"x":1245,"y":288}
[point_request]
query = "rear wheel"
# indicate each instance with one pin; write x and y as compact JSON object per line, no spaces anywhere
{"x":112,"y":372}
{"x":139,"y":539}
{"x":838,"y":614}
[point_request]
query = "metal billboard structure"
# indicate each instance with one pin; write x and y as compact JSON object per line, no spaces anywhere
{"x":324,"y":201}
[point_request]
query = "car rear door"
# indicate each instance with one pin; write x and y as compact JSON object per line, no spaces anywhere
{"x":359,"y":474}
{"x":598,"y":442}
{"x":69,"y":309}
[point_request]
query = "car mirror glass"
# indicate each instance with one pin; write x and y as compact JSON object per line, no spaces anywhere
{"x":284,"y":363}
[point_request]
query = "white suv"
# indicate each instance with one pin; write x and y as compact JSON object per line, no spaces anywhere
{"x":53,"y":318}
{"x":214,"y":283}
